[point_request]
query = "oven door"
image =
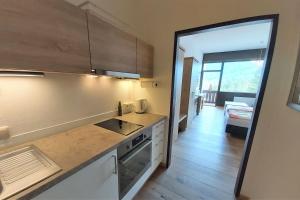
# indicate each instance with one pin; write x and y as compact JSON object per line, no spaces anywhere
{"x":133,"y":165}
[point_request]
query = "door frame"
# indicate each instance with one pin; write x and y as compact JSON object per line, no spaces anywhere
{"x":274,"y":18}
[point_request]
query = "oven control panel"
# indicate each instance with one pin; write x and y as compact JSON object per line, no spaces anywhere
{"x":137,"y":140}
{"x":145,"y":134}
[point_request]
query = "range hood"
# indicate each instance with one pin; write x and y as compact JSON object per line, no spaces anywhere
{"x":116,"y":74}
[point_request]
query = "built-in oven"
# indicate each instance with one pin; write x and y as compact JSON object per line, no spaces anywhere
{"x":134,"y":159}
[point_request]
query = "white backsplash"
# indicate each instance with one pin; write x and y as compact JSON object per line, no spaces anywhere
{"x":31,"y":107}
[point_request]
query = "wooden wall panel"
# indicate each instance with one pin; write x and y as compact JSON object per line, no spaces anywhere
{"x":190,"y":79}
{"x":186,"y":83}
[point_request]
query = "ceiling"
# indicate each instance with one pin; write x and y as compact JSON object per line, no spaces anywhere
{"x":243,"y":37}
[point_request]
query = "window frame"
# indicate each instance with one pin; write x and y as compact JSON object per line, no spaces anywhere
{"x":202,"y":72}
{"x":221,"y":72}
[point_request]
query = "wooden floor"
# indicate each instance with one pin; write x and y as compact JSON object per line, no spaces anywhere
{"x":204,"y":165}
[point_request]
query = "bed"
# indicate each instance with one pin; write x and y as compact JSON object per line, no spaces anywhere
{"x":237,"y":120}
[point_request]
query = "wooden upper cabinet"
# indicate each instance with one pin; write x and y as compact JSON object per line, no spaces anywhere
{"x":111,"y":48}
{"x":43,"y":35}
{"x":144,"y":59}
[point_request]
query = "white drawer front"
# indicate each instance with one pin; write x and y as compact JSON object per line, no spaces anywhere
{"x":158,"y":135}
{"x":157,"y":161}
{"x":159,"y":127}
{"x":157,"y":149}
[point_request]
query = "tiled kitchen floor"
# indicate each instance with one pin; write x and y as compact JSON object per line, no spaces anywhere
{"x":205,"y":163}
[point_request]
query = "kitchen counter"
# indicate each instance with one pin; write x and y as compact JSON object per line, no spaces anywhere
{"x":74,"y":149}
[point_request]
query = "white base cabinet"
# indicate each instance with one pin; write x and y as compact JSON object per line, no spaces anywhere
{"x":97,"y":181}
{"x":158,"y":136}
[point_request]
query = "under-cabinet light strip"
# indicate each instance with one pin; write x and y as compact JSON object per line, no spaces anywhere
{"x":21,"y":74}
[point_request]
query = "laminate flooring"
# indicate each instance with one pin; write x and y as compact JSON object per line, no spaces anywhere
{"x":204,"y":166}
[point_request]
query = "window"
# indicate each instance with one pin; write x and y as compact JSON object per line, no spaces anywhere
{"x":210,"y":81}
{"x":241,"y":76}
{"x":211,"y":76}
{"x":212,"y":66}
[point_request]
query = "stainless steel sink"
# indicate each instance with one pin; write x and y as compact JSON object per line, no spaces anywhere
{"x":22,"y":168}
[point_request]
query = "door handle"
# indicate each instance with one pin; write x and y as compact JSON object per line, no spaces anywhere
{"x":116,"y":165}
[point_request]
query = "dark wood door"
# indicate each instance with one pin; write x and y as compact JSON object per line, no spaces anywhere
{"x":47,"y":35}
{"x":144,"y":59}
{"x":111,"y":48}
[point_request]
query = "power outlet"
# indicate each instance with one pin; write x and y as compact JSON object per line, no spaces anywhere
{"x":127,"y":108}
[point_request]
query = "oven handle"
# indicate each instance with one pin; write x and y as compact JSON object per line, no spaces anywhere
{"x":126,"y":158}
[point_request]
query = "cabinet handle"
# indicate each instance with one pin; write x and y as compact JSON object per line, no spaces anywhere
{"x":116,"y":165}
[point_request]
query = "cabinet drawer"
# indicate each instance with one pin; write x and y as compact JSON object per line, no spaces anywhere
{"x":160,"y":157}
{"x":157,"y":149}
{"x":157,"y":137}
{"x":159,"y":127}
{"x":158,"y":143}
{"x":158,"y":131}
{"x":157,"y":161}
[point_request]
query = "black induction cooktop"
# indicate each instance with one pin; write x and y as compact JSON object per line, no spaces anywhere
{"x":119,"y":126}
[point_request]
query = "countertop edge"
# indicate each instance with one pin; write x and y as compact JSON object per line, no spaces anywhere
{"x":35,"y":192}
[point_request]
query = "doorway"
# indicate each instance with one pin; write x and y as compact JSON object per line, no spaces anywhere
{"x":210,"y":84}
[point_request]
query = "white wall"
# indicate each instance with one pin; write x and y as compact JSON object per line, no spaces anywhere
{"x":192,"y":50}
{"x":31,"y":104}
{"x":273,"y":170}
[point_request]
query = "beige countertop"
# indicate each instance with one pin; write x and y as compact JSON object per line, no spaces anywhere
{"x":74,"y":149}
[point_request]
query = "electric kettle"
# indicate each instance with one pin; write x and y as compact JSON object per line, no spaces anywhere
{"x":140,"y":106}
